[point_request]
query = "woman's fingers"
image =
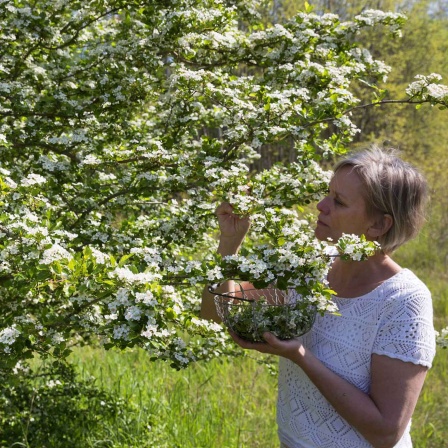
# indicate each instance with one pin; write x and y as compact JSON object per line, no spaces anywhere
{"x":246,"y":344}
{"x":225,"y":208}
{"x":272,"y":345}
{"x":231,"y":224}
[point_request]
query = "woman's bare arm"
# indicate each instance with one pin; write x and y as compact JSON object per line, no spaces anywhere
{"x":381,"y":415}
{"x":233,"y":229}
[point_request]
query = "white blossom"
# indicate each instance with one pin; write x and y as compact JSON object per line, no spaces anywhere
{"x":55,"y":253}
{"x":33,"y":179}
{"x":442,"y":338}
{"x":133,"y":313}
{"x":9,"y":335}
{"x":100,"y":257}
{"x":121,"y":332}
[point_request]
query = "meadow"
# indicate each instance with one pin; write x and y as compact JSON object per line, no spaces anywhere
{"x":120,"y":399}
{"x":230,"y":403}
{"x":223,"y":403}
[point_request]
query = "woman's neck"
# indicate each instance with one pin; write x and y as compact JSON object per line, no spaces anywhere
{"x":352,"y":279}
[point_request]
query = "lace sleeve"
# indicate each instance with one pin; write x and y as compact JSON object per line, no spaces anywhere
{"x":406,"y":330}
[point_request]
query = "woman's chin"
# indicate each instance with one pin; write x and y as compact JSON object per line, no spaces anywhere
{"x":320,"y":235}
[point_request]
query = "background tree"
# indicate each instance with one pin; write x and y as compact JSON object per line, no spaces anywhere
{"x":421,"y":134}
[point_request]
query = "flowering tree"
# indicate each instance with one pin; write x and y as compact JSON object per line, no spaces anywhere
{"x":124,"y":123}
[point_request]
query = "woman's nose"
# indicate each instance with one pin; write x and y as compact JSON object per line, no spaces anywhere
{"x":322,"y":205}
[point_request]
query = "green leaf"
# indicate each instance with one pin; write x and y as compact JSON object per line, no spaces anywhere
{"x":170,"y":313}
{"x":123,"y":259}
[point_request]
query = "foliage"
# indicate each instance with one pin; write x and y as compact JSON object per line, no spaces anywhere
{"x":122,"y":124}
{"x":442,"y":337}
{"x":51,"y":407}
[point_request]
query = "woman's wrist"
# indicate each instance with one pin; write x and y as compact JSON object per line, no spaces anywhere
{"x":229,"y":245}
{"x":299,"y":356}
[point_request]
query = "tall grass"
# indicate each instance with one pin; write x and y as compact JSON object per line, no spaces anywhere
{"x":430,"y":422}
{"x":428,"y":259}
{"x":223,"y":403}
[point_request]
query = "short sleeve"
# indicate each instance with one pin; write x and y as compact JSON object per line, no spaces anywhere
{"x":406,"y":329}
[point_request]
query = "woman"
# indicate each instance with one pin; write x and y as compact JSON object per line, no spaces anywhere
{"x":354,"y":379}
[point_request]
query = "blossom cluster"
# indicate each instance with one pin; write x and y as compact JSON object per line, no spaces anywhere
{"x":442,"y":338}
{"x":427,"y":89}
{"x":357,"y":248}
{"x":288,"y":263}
{"x":8,"y":336}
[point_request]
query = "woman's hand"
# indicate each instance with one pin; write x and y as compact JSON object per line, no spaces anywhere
{"x":291,"y":349}
{"x":233,"y":229}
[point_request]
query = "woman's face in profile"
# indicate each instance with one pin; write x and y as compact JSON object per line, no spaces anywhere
{"x":343,"y":210}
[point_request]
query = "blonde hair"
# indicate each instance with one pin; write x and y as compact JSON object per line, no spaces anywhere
{"x":394,"y":187}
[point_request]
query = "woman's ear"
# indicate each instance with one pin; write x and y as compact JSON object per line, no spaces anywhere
{"x":381,"y":226}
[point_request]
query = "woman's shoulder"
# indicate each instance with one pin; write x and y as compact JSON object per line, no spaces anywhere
{"x":405,"y":320}
{"x":405,"y":294}
{"x":405,"y":282}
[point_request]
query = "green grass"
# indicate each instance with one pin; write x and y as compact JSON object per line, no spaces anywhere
{"x":430,"y":422}
{"x":223,"y":403}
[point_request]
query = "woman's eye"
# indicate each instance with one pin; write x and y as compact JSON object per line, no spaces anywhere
{"x":338,"y":202}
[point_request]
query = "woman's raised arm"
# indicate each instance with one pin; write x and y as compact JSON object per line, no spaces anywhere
{"x":233,"y":228}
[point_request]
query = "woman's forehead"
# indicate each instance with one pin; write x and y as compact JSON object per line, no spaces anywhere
{"x":346,"y":177}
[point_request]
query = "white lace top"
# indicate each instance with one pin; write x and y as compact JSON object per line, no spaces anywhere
{"x":395,"y":320}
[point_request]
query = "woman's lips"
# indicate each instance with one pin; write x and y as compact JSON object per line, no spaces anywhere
{"x":320,"y":223}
